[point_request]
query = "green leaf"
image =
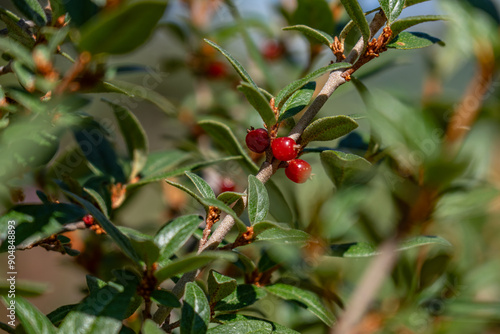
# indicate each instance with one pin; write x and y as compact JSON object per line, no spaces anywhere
{"x":58,"y":315}
{"x":174,"y":234}
{"x":32,"y":10}
{"x":224,"y":208}
{"x":25,"y":77}
{"x":137,"y":92}
{"x":17,"y":51}
{"x":23,"y":288}
{"x":244,"y":295}
{"x":134,"y":135}
{"x":320,"y":36}
{"x":231,"y":318}
{"x":15,"y":31}
{"x":283,"y":236}
{"x":94,"y":283}
{"x":258,"y":200}
{"x":237,"y":66}
{"x":178,"y":171}
{"x":105,"y":307}
{"x":392,"y":8}
{"x":297,"y":101}
{"x":328,"y":128}
{"x":407,"y":22}
{"x":292,"y":87}
{"x":165,"y":298}
{"x":223,"y":136}
{"x":243,"y":327}
{"x":358,"y":17}
{"x":121,"y":240}
{"x":151,"y":327}
{"x":219,"y":286}
{"x":106,"y":33}
{"x":345,"y":168}
{"x":195,"y":310}
{"x":80,"y":11}
{"x":306,"y":299}
{"x":409,"y":3}
{"x":33,"y":321}
{"x":98,"y":199}
{"x":364,"y":249}
{"x":162,"y":161}
{"x":191,"y":262}
{"x":147,"y":250}
{"x":202,"y":186}
{"x":187,"y":191}
{"x":229,"y":197}
{"x":259,"y":102}
{"x":413,"y":40}
{"x":315,"y":14}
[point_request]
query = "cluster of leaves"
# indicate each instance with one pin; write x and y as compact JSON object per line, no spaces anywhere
{"x":284,"y":246}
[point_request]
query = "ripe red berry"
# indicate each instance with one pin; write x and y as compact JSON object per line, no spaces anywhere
{"x":227,"y":185}
{"x":88,"y":220}
{"x":273,"y":50}
{"x":298,"y":170}
{"x":284,"y":148}
{"x":216,"y":70}
{"x":257,"y":140}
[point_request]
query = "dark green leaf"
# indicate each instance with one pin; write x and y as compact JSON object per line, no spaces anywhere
{"x":174,"y":234}
{"x":237,"y":66}
{"x":413,"y":40}
{"x":191,"y":262}
{"x":244,"y":295}
{"x":258,"y":200}
{"x":243,"y":327}
{"x":15,"y":31}
{"x":229,"y":197}
{"x":80,"y":11}
{"x":266,"y":225}
{"x":150,"y":327}
{"x":291,"y":88}
{"x":146,"y":249}
{"x":105,"y":307}
{"x":358,"y":17}
{"x":7,"y":328}
{"x":364,"y":249}
{"x":407,"y":22}
{"x":34,"y":321}
{"x":224,"y":208}
{"x":328,"y":128}
{"x":244,"y":263}
{"x":58,"y":315}
{"x":318,"y":35}
{"x":315,"y":14}
{"x":121,"y":240}
{"x":259,"y":102}
{"x":219,"y":286}
{"x":409,"y":3}
{"x":392,"y":8}
{"x":32,"y":10}
{"x":306,"y":299}
{"x":195,"y":310}
{"x":135,"y":137}
{"x":165,"y":298}
{"x":98,"y":199}
{"x":223,"y":136}
{"x":345,"y":168}
{"x":283,"y":236}
{"x":297,"y":101}
{"x":276,"y":328}
{"x":159,"y":162}
{"x":106,"y":33}
{"x":202,"y":186}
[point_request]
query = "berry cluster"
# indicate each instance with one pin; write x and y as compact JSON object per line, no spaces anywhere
{"x":284,"y":149}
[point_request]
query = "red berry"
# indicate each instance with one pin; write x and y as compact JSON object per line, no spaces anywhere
{"x":216,"y":70}
{"x":273,"y":50}
{"x":284,"y":148}
{"x":257,"y":140}
{"x":88,"y":220}
{"x":298,"y":171}
{"x":227,"y":185}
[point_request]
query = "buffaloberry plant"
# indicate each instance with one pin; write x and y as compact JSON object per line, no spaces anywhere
{"x":122,"y":164}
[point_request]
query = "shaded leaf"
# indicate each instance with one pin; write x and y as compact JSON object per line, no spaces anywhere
{"x":202,"y":186}
{"x":80,"y":11}
{"x":298,"y":101}
{"x":244,"y":295}
{"x":174,"y":234}
{"x":33,"y":321}
{"x":306,"y":299}
{"x":106,"y":33}
{"x":190,"y":263}
{"x":364,"y":249}
{"x":219,"y":286}
{"x":195,"y":310}
{"x":345,"y":168}
{"x":58,"y":315}
{"x":135,"y":137}
{"x":165,"y":298}
{"x":259,"y":102}
{"x":328,"y":128}
{"x":413,"y":40}
{"x":32,"y":10}
{"x":229,"y":197}
{"x":318,"y":35}
{"x":150,"y":327}
{"x":258,"y":200}
{"x":292,"y":87}
{"x":98,"y":199}
{"x":283,"y":236}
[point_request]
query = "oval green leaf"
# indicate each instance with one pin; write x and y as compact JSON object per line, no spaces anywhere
{"x":258,"y":200}
{"x":219,"y":286}
{"x":165,"y":298}
{"x":202,"y":186}
{"x":345,"y":168}
{"x":298,"y":101}
{"x":259,"y":102}
{"x":392,"y":8}
{"x":413,"y":40}
{"x":33,"y":321}
{"x":328,"y":128}
{"x":195,"y":310}
{"x":244,"y":295}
